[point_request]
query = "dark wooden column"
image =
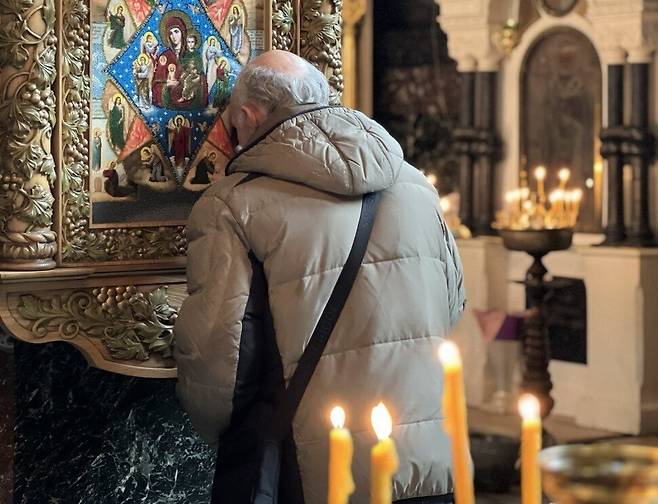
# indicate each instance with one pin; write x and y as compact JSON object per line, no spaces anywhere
{"x":639,"y":151}
{"x":464,"y":136}
{"x":611,"y":138}
{"x":486,"y":148}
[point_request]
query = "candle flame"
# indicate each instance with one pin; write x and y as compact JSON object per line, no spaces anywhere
{"x":337,"y":417}
{"x":524,"y":192}
{"x":564,"y":174}
{"x":540,"y":173}
{"x":445,"y":205}
{"x":449,"y":354}
{"x":529,"y":407}
{"x":577,"y":194}
{"x":382,"y":422}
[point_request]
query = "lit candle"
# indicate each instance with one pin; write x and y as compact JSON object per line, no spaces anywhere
{"x":564,"y":174}
{"x":341,"y":483}
{"x":576,"y":197}
{"x":454,"y":412}
{"x":530,"y":447}
{"x":540,"y":176}
{"x":384,"y":460}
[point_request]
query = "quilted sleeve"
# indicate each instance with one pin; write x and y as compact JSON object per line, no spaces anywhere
{"x":209,"y":325}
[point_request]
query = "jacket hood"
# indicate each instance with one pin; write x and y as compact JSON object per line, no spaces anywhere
{"x":333,"y":149}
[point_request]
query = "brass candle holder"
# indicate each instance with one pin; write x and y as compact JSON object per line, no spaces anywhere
{"x":600,"y":474}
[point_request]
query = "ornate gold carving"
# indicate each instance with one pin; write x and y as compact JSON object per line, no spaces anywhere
{"x":80,"y":243}
{"x":320,"y":40}
{"x":27,"y":115}
{"x":132,"y":325}
{"x":283,"y":25}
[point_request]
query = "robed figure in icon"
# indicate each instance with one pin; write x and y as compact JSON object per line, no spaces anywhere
{"x":166,"y":87}
{"x":211,"y":54}
{"x":204,"y":169}
{"x":154,"y":164}
{"x":194,"y":90}
{"x":221,"y":91}
{"x":180,"y":138}
{"x":116,"y":122}
{"x":150,"y":48}
{"x":142,"y":73}
{"x":97,"y":148}
{"x":236,"y":29}
{"x":117,"y":25}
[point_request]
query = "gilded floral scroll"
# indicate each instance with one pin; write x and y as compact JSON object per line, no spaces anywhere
{"x":27,"y":115}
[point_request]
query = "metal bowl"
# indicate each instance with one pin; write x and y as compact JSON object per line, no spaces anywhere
{"x":537,"y":241}
{"x":600,"y":474}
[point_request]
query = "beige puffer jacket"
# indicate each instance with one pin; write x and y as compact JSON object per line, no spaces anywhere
{"x":299,"y":222}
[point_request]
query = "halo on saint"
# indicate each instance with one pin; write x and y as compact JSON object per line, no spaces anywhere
{"x":164,"y":31}
{"x":235,"y":6}
{"x":145,"y":153}
{"x":116,"y":7}
{"x":220,"y":59}
{"x":212,"y":39}
{"x":143,"y":57}
{"x":115,"y":96}
{"x":175,"y":120}
{"x":146,"y":36}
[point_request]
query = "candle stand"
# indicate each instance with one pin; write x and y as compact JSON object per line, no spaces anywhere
{"x":536,"y":352}
{"x":600,"y":474}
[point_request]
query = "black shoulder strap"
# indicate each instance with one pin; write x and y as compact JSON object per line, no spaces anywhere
{"x":316,"y":345}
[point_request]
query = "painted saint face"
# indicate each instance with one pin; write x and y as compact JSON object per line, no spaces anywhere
{"x":212,"y":42}
{"x":149,"y":39}
{"x":119,"y":10}
{"x":191,"y":43}
{"x":212,"y":156}
{"x":236,"y":11}
{"x":179,"y":122}
{"x":175,"y":36}
{"x":117,"y":101}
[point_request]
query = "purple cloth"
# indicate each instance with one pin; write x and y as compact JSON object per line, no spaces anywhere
{"x":511,"y":328}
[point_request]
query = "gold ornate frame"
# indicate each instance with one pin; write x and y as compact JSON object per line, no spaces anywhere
{"x":102,"y":290}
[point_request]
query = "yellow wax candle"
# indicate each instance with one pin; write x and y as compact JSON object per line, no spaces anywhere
{"x":540,"y":176}
{"x":384,"y":460}
{"x":530,"y":447}
{"x":341,"y":448}
{"x":564,"y":174}
{"x":454,"y":412}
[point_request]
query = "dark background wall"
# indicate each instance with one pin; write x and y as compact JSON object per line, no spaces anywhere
{"x":416,"y":85}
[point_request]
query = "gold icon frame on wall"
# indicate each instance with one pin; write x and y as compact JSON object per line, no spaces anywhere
{"x":81,"y":242}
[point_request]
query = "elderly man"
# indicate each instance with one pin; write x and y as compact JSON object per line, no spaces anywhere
{"x":266,"y":246}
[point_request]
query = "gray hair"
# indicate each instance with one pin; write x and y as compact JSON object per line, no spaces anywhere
{"x":271,"y":88}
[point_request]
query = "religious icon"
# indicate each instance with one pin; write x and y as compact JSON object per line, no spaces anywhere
{"x":150,"y":47}
{"x":236,"y":28}
{"x":112,"y":186}
{"x":212,"y":51}
{"x":205,"y":169}
{"x":179,"y":139}
{"x":116,"y":123}
{"x":154,"y":164}
{"x":117,"y":24}
{"x":97,"y":146}
{"x":142,"y":72}
{"x":221,"y":91}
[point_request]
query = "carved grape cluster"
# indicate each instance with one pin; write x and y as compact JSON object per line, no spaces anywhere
{"x":116,"y":299}
{"x":11,"y":182}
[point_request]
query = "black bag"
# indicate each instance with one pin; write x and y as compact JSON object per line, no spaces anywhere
{"x":249,"y":455}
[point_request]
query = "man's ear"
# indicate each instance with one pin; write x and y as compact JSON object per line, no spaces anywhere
{"x":253,"y":115}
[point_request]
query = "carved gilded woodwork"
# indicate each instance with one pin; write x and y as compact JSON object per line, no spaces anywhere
{"x":121,"y":328}
{"x":101,"y":300}
{"x":284,"y":25}
{"x":27,"y":116}
{"x":320,"y":40}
